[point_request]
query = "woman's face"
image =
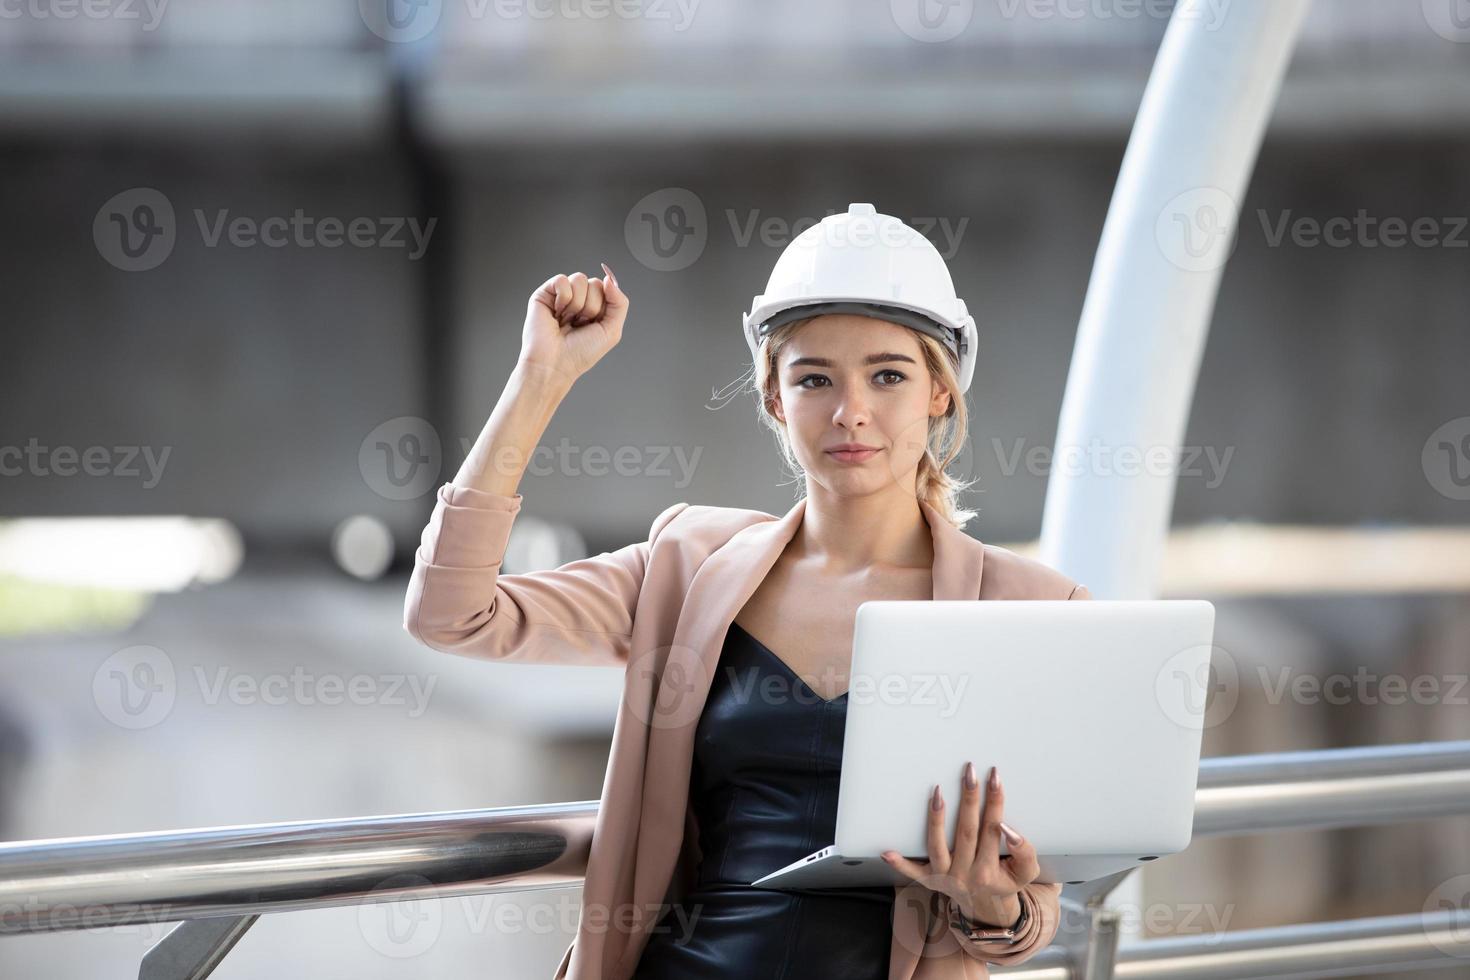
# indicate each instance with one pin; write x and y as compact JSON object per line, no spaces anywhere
{"x":850,"y":379}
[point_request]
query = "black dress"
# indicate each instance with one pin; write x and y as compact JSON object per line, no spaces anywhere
{"x":767,"y":756}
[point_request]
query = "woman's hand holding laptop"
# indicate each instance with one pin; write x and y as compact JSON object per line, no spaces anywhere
{"x":983,"y":884}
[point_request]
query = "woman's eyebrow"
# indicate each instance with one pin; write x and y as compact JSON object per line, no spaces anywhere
{"x":870,"y":359}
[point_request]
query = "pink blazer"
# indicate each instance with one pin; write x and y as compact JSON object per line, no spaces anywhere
{"x":660,"y":608}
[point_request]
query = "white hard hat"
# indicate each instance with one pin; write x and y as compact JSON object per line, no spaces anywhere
{"x":869,"y":263}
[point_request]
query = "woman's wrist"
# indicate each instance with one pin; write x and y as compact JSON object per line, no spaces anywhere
{"x":540,"y":379}
{"x":987,"y":918}
{"x":1014,"y":923}
{"x":503,"y":450}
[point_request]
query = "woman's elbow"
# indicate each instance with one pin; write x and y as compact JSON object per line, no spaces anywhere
{"x":481,"y":641}
{"x":433,"y":636}
{"x":479,"y":634}
{"x":445,"y":608}
{"x":429,"y":636}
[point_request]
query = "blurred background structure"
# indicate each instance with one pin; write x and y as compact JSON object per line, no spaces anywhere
{"x":266,"y":265}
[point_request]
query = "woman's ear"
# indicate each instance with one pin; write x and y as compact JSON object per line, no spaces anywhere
{"x":776,"y":408}
{"x":939,"y":403}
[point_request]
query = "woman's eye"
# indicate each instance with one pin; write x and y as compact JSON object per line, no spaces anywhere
{"x":897,"y":374}
{"x":810,"y":377}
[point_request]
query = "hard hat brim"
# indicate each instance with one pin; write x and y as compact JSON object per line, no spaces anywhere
{"x":959,"y":339}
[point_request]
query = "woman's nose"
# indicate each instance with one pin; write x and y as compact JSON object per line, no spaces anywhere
{"x":852,"y":406}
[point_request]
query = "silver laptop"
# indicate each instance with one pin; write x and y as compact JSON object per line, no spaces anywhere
{"x":1094,"y":712}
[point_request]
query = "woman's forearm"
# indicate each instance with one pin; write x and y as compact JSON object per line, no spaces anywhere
{"x":571,"y":322}
{"x":503,"y":450}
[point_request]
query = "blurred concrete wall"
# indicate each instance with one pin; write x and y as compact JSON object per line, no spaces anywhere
{"x":262,"y":371}
{"x":243,"y":375}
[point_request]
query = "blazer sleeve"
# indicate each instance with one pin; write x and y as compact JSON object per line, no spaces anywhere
{"x":459,"y":602}
{"x":1042,"y":899}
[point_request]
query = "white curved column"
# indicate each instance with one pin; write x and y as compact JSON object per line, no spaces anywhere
{"x":1169,"y":231}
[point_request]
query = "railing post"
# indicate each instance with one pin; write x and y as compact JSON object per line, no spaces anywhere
{"x":1090,"y":929}
{"x":191,"y":950}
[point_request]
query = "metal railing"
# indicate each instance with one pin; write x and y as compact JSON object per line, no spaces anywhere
{"x":217,"y":881}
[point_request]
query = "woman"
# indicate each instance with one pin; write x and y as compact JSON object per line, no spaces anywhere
{"x":707,"y":789}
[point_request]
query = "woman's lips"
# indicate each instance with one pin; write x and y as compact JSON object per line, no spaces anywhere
{"x":852,"y":455}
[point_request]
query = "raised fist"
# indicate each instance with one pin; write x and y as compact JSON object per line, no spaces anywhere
{"x":571,"y":321}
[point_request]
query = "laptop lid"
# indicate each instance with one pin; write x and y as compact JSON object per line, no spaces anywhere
{"x":1092,"y":710}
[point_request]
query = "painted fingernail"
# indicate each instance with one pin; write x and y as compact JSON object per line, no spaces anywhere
{"x":611,"y":278}
{"x":1012,"y":838}
{"x":995,"y":777}
{"x":971,"y":780}
{"x":935,"y":799}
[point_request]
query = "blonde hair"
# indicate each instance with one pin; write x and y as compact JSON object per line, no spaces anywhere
{"x":946,"y":434}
